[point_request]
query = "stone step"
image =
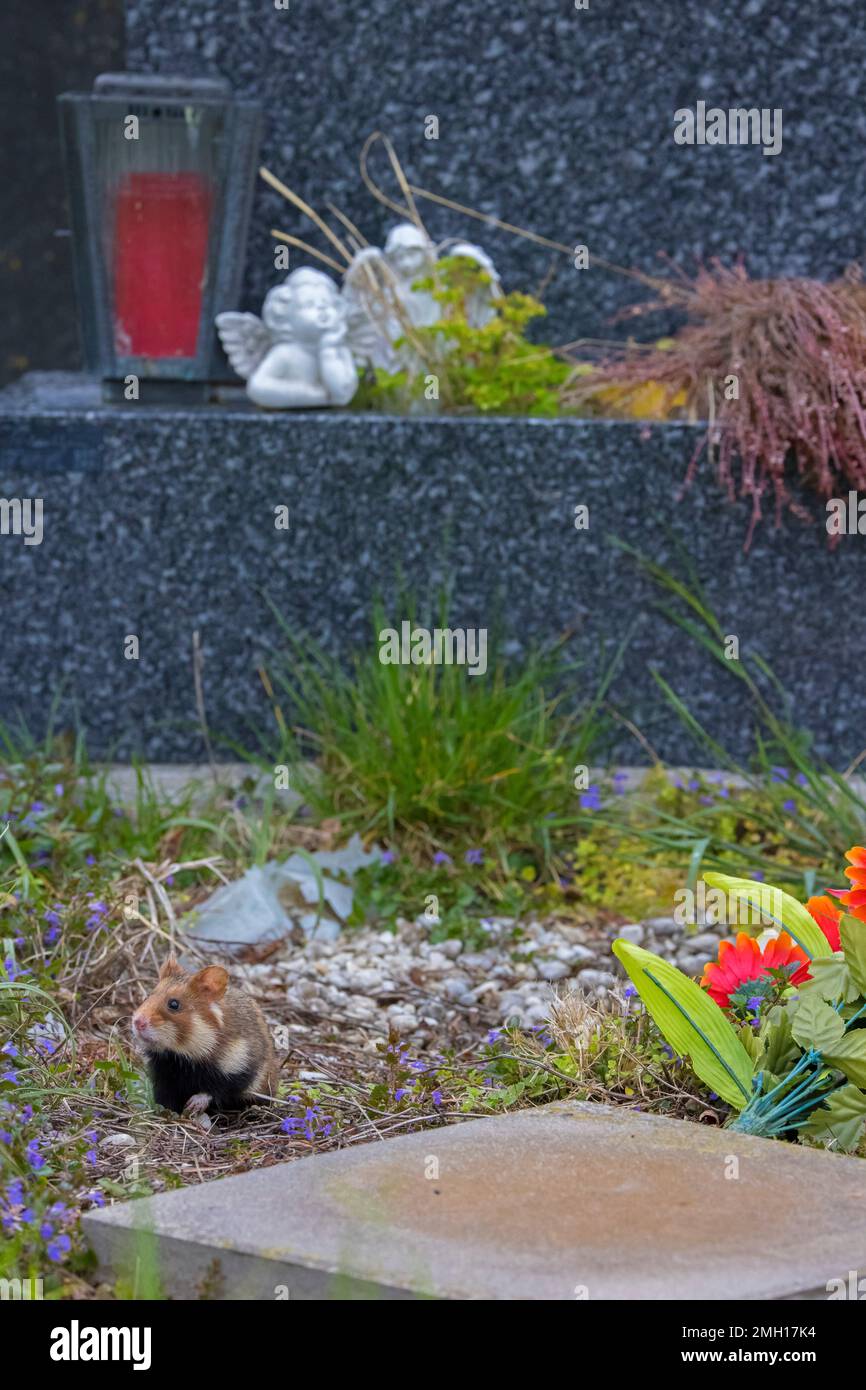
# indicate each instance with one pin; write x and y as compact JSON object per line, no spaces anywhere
{"x":567,"y":1201}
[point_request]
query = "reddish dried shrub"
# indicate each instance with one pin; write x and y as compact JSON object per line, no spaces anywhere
{"x":798,"y":351}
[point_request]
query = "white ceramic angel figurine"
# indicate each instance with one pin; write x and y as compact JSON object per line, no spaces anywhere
{"x":299,"y":355}
{"x":409,"y":256}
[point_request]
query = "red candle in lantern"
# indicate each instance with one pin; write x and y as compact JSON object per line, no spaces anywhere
{"x":160,"y":260}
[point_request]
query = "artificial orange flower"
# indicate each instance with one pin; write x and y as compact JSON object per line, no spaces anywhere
{"x":854,"y":898}
{"x":746,"y":961}
{"x":827,"y":914}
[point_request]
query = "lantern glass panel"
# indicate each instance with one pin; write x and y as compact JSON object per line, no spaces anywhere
{"x":160,"y":192}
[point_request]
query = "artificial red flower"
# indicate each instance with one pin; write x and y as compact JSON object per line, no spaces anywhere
{"x":827,"y":914}
{"x":746,"y":961}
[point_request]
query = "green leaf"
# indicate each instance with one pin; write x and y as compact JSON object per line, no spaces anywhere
{"x":780,"y":1052}
{"x":691,"y":1022}
{"x":849,"y":1056}
{"x":816,"y":1024}
{"x":853,"y":934}
{"x":831,"y":978}
{"x":840,"y":1120}
{"x":777,"y":906}
{"x":750,"y":1041}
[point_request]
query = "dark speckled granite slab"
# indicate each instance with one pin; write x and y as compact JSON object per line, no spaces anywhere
{"x":161,"y":522}
{"x":557,"y":118}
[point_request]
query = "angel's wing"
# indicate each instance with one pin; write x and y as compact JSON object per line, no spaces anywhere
{"x":245,"y":340}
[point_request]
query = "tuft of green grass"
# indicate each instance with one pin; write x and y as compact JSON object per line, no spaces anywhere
{"x":434,"y":759}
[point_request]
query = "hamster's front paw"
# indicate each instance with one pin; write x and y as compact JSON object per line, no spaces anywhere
{"x":197,"y":1104}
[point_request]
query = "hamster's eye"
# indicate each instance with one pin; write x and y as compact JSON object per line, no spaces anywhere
{"x":174,"y":1004}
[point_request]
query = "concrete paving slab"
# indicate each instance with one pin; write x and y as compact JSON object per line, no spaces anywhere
{"x":567,"y":1201}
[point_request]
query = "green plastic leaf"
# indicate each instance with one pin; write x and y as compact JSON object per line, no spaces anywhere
{"x":815,"y":1024}
{"x":780,"y":1052}
{"x":831,"y":978}
{"x":839,"y":1122}
{"x":849,"y":1056}
{"x":790,"y":915}
{"x":691,"y":1022}
{"x":853,"y":934}
{"x":751,"y":1042}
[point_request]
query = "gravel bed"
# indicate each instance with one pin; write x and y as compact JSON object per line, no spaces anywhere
{"x":368,"y":982}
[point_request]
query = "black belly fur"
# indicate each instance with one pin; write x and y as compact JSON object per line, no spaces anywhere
{"x":176,"y":1078}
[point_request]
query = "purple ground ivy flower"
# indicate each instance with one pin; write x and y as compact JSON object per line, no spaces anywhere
{"x":474,"y":856}
{"x":590,"y":800}
{"x":440,"y":857}
{"x":34,"y":1157}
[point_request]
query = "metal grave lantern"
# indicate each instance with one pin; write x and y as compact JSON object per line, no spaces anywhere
{"x":160,"y":174}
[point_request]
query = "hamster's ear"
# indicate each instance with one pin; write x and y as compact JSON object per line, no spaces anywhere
{"x":211,"y":982}
{"x":170,"y":967}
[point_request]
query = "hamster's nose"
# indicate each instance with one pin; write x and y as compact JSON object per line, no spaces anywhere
{"x":139,"y":1023}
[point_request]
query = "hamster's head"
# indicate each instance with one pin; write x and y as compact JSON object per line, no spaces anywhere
{"x":183,"y":1014}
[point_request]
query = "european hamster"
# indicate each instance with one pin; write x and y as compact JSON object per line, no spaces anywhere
{"x":205,"y":1042}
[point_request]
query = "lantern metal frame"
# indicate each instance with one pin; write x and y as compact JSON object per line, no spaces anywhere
{"x":162,"y":379}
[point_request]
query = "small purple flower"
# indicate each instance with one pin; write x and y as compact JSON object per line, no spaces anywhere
{"x":474,"y":856}
{"x":387,"y":856}
{"x":10,"y":1050}
{"x":790,"y":806}
{"x":46,"y":1230}
{"x":58,"y":789}
{"x":291,"y":1124}
{"x":436,"y":1097}
{"x":440,"y":857}
{"x":59,"y":1248}
{"x":591,"y":798}
{"x":493,"y":1036}
{"x":779,"y":774}
{"x":629,"y":992}
{"x":10,"y":1076}
{"x":96,"y":1198}
{"x":34,"y":1157}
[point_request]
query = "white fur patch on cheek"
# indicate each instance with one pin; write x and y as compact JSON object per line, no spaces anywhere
{"x":202,"y":1038}
{"x":235,"y":1057}
{"x":217,"y":1013}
